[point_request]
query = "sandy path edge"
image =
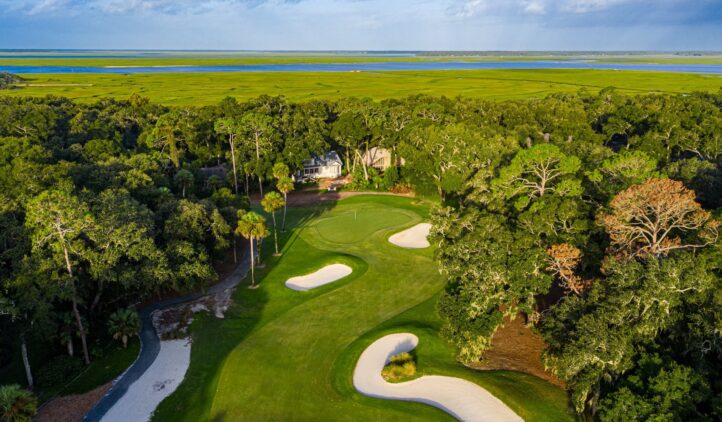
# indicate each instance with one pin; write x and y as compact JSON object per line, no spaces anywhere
{"x":150,"y":342}
{"x":158,"y":382}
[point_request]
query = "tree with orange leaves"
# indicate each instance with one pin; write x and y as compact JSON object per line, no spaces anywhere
{"x":563,"y":260}
{"x":657,"y":217}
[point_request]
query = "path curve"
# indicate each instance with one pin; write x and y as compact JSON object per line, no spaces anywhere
{"x":150,"y":342}
{"x":462,"y":399}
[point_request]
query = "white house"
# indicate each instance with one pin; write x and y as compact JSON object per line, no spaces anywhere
{"x":327,"y":167}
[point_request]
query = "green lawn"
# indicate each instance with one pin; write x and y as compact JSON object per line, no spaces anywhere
{"x":210,"y":88}
{"x":287,"y":355}
{"x":113,"y":362}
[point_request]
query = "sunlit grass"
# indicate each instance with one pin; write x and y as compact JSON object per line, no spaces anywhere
{"x":210,"y":88}
{"x":287,"y":355}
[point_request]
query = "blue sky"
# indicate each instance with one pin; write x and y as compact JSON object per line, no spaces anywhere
{"x":363,"y":24}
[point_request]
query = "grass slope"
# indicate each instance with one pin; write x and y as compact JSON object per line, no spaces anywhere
{"x":286,"y":355}
{"x":210,"y":88}
{"x":113,"y":362}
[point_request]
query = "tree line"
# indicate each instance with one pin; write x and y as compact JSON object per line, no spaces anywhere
{"x":596,"y":220}
{"x":106,"y":204}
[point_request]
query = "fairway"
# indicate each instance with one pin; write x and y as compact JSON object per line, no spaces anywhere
{"x":211,"y":88}
{"x":287,"y":355}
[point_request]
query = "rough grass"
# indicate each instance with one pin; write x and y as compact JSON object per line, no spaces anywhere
{"x":106,"y":368}
{"x":210,"y":88}
{"x":115,"y":361}
{"x":286,"y":355}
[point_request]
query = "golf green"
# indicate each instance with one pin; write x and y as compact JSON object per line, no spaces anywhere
{"x":288,"y":355}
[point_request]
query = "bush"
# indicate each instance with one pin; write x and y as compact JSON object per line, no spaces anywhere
{"x":391,"y":178}
{"x":123,"y":324}
{"x":401,"y":367}
{"x":7,"y":80}
{"x":58,"y":370}
{"x":16,"y":404}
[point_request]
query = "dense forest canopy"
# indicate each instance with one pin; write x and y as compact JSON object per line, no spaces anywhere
{"x":593,"y":217}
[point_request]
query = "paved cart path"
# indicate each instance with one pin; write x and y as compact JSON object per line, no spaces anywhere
{"x":150,"y":343}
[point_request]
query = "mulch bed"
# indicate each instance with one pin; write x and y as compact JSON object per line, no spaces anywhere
{"x":71,"y":408}
{"x":515,"y":347}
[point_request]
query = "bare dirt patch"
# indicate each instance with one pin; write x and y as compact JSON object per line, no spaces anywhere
{"x":515,"y":347}
{"x":71,"y":408}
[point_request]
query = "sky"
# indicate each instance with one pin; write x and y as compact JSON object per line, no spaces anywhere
{"x":362,"y":24}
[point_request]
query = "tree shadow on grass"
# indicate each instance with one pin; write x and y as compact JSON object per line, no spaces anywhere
{"x":214,"y":339}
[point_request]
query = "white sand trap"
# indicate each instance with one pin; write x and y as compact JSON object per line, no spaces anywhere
{"x":325,"y":275}
{"x":157,"y":383}
{"x":462,"y":399}
{"x":413,"y":238}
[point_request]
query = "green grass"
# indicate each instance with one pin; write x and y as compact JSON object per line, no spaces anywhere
{"x":210,"y":88}
{"x":104,"y":369}
{"x":531,"y":398}
{"x":115,"y":361}
{"x":286,"y":355}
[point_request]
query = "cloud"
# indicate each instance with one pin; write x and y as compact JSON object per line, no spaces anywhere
{"x":587,"y":6}
{"x":469,"y":8}
{"x":163,"y":7}
{"x":534,"y":7}
{"x":362,"y":24}
{"x":44,"y":6}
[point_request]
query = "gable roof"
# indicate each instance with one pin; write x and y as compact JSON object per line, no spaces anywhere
{"x":328,"y":159}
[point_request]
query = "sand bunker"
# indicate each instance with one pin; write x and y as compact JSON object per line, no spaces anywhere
{"x":325,"y":275}
{"x":413,"y":238}
{"x":157,"y":383}
{"x":462,"y":399}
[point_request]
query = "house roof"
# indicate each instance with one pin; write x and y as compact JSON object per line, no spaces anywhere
{"x":219,"y":170}
{"x":328,"y":159}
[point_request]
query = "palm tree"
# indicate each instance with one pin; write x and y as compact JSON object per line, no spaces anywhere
{"x":184,"y":179}
{"x":16,"y":404}
{"x":67,"y":332}
{"x":272,"y":203}
{"x":252,"y":226}
{"x":280,"y":170}
{"x":214,"y":183}
{"x":123,"y":324}
{"x":284,"y":185}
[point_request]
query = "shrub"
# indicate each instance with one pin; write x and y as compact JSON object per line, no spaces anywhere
{"x":391,"y":178}
{"x":16,"y":404}
{"x":58,"y":370}
{"x":402,"y":187}
{"x":8,"y":80}
{"x":400,"y":367}
{"x":123,"y":324}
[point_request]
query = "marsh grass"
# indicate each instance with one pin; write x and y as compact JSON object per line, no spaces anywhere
{"x":211,"y":88}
